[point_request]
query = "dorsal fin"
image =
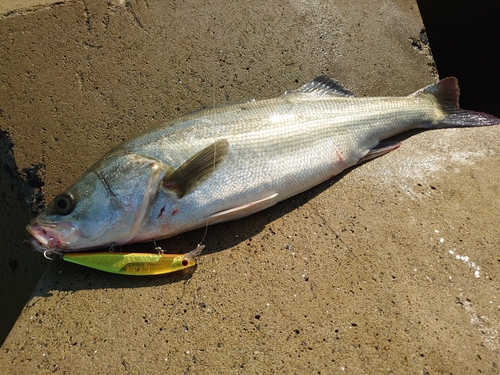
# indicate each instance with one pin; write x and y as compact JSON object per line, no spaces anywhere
{"x":323,"y":85}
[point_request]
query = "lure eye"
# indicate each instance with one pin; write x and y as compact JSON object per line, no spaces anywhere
{"x":64,"y":203}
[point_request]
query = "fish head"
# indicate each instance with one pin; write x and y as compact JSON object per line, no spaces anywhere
{"x":105,"y":207}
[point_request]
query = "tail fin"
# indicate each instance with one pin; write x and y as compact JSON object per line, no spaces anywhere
{"x":447,"y":93}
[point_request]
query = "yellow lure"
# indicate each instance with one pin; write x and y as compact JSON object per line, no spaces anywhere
{"x":135,"y":264}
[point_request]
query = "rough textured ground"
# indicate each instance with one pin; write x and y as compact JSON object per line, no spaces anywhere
{"x":390,"y":268}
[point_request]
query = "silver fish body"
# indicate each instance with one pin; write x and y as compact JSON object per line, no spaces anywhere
{"x":227,"y":162}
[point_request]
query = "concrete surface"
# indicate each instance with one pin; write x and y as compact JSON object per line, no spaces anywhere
{"x":390,"y":268}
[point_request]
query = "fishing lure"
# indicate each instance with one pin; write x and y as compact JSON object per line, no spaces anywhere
{"x":135,"y":264}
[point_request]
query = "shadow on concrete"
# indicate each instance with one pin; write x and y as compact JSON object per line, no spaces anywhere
{"x":464,"y":36}
{"x":20,"y":268}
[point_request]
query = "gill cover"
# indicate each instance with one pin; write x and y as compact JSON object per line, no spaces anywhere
{"x":131,"y":185}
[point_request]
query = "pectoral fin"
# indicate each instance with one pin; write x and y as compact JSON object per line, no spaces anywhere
{"x":243,"y":210}
{"x":196,"y":169}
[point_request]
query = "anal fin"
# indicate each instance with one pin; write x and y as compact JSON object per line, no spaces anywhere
{"x":379,"y":150}
{"x":243,"y":210}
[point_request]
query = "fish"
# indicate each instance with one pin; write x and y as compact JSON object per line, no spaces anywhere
{"x":227,"y":162}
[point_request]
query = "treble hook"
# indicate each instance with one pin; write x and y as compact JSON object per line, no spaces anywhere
{"x":46,"y":254}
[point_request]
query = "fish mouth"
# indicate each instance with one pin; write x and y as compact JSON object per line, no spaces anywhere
{"x":50,"y":237}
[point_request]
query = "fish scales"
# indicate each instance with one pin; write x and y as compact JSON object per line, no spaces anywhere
{"x":227,"y":162}
{"x":298,"y":151}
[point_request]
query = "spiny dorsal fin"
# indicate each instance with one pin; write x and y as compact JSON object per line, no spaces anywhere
{"x":323,"y":85}
{"x":196,"y":169}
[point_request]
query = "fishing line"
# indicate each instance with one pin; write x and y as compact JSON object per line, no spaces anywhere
{"x":215,"y":145}
{"x":175,"y":305}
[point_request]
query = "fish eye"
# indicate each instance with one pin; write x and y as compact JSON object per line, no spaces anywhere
{"x":64,"y":203}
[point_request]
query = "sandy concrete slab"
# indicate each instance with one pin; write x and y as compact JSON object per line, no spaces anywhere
{"x":80,"y":77}
{"x":390,"y":268}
